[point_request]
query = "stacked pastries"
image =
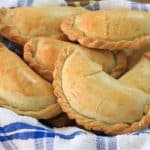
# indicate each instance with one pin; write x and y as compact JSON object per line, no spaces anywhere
{"x":103,"y":85}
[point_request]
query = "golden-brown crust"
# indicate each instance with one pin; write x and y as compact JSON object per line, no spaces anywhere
{"x":88,"y":123}
{"x":74,"y":34}
{"x":138,"y":76}
{"x":41,"y":54}
{"x":22,"y":90}
{"x":6,"y":30}
{"x":22,"y":31}
{"x":29,"y":51}
{"x":13,"y":36}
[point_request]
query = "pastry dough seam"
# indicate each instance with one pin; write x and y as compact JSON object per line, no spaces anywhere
{"x":90,"y":124}
{"x":77,"y":35}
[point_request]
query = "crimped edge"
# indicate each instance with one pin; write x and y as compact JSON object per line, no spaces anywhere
{"x":6,"y":30}
{"x":76,"y":35}
{"x":119,"y":68}
{"x":89,"y":123}
{"x":49,"y":111}
{"x":28,"y":52}
{"x":11,"y":32}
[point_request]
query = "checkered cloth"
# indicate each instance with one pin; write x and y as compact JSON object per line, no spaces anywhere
{"x":26,"y":133}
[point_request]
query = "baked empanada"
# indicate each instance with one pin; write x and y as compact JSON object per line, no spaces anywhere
{"x":96,"y":100}
{"x":41,"y":54}
{"x":109,"y":29}
{"x":22,"y":23}
{"x":139,"y":76}
{"x":22,"y":90}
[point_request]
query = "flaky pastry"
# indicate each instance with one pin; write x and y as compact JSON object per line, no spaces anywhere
{"x":22,"y":23}
{"x":95,"y":99}
{"x":22,"y":90}
{"x":41,"y":54}
{"x":117,"y":29}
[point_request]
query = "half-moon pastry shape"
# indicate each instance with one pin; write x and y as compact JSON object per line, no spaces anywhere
{"x":96,"y":100}
{"x":109,"y":29}
{"x":41,"y":54}
{"x":139,"y":76}
{"x":22,"y":90}
{"x":22,"y":23}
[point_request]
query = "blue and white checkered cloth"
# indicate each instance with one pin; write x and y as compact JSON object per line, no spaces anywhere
{"x":26,"y":133}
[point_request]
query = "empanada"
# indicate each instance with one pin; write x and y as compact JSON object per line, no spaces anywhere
{"x":22,"y":90}
{"x":139,"y":76}
{"x":41,"y":54}
{"x":96,"y":100}
{"x":109,"y":29}
{"x":22,"y":23}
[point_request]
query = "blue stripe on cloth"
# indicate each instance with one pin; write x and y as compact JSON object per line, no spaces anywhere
{"x":9,"y":145}
{"x":29,"y":2}
{"x":134,"y":6}
{"x":18,"y":126}
{"x":42,"y":143}
{"x":90,"y":7}
{"x":96,"y":6}
{"x":37,"y":134}
{"x":140,"y":132}
{"x":100,"y":143}
{"x":50,"y":143}
{"x":103,"y":143}
{"x":25,"y":2}
{"x":20,"y":3}
{"x":144,"y":7}
{"x":112,"y":143}
{"x":39,"y":144}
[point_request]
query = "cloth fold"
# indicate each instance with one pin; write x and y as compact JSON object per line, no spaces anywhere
{"x":21,"y":132}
